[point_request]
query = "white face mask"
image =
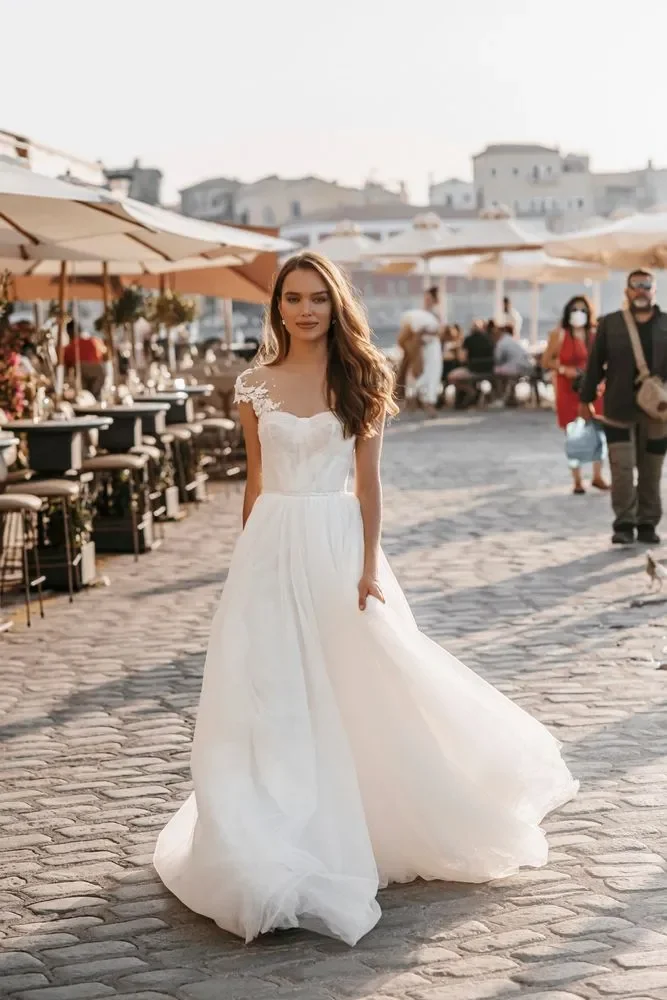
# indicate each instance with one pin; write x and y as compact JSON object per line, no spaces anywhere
{"x":578,"y":318}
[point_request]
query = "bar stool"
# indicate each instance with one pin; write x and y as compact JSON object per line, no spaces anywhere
{"x":156,"y":485}
{"x":63,"y":493}
{"x":14,"y":541}
{"x":106,"y":469}
{"x":218,"y":440}
{"x":189,"y":461}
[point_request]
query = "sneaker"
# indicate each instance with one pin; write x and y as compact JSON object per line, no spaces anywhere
{"x":623,"y":536}
{"x":647,"y":535}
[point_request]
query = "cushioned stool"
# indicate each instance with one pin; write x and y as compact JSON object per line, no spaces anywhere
{"x":106,"y":468}
{"x":64,"y":492}
{"x":17,"y":536}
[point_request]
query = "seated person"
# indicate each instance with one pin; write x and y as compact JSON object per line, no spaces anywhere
{"x":475,"y":361}
{"x":511,"y":362}
{"x":510,"y":357}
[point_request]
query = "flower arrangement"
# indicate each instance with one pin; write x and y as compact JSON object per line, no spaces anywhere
{"x":12,"y":396}
{"x":170,"y":309}
{"x":125,"y":310}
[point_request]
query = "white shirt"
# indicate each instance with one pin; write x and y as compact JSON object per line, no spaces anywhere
{"x":514,"y":319}
{"x":509,"y":351}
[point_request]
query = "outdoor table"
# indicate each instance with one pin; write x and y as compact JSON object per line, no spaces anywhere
{"x":196,"y":390}
{"x":56,"y":446}
{"x":130,"y":423}
{"x":181,"y":406}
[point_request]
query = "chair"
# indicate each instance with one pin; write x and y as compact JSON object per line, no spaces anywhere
{"x":111,"y":517}
{"x":14,"y":544}
{"x":62,"y":493}
{"x":217,"y":441}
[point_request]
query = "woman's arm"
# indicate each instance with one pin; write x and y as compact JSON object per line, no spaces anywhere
{"x":369,"y":491}
{"x":253,"y":485}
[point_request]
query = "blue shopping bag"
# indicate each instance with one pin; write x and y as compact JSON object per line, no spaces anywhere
{"x":585,"y":442}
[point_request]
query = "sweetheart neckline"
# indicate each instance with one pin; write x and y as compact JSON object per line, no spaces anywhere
{"x":295,"y":416}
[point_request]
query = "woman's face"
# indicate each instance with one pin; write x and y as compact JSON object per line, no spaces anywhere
{"x":578,"y":313}
{"x":305,"y":305}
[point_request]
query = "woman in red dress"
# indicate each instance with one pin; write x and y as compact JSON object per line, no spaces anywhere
{"x":567,"y":355}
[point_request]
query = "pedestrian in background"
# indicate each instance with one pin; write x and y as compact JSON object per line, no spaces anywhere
{"x":566,"y":355}
{"x":636,"y":441}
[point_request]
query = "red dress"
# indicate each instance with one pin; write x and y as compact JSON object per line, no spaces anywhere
{"x":573,"y":354}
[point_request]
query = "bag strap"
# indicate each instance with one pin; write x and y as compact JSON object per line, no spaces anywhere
{"x":637,"y":350}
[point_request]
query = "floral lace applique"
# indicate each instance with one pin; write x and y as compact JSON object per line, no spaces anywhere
{"x":257,"y":395}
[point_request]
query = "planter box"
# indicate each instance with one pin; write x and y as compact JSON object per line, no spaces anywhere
{"x":51,"y":452}
{"x":154,"y":424}
{"x":181,"y":413}
{"x":123,"y":434}
{"x":53,"y":566}
{"x":114,"y":534}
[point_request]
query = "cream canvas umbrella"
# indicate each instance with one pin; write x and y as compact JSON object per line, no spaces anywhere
{"x":347,"y":245}
{"x":426,"y":232}
{"x":538,"y":268}
{"x":410,"y":248}
{"x":495,"y":232}
{"x":638,"y":240}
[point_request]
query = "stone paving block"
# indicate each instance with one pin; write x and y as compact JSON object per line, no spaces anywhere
{"x":73,"y":991}
{"x":482,"y":532}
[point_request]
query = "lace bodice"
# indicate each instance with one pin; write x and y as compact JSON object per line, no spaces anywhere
{"x":299,"y":454}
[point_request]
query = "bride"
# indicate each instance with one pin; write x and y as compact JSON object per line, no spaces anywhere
{"x":337,"y":748}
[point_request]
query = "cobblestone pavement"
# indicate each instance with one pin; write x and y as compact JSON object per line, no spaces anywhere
{"x":503,"y":565}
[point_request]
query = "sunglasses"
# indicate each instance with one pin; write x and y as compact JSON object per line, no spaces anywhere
{"x":641,"y":284}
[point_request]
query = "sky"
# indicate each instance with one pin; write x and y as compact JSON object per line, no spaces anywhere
{"x":346,"y":89}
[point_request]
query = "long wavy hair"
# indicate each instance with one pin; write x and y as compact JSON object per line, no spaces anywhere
{"x":359,"y":379}
{"x":592,"y":320}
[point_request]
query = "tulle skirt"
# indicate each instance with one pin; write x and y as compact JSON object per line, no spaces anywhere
{"x":337,"y":750}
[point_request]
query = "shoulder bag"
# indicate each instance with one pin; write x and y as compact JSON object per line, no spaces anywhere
{"x":652,"y":391}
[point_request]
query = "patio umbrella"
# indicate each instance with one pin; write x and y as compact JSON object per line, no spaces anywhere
{"x":639,"y":240}
{"x":495,"y":232}
{"x":426,"y":232}
{"x":539,"y":269}
{"x":346,"y":245}
{"x":410,"y":247}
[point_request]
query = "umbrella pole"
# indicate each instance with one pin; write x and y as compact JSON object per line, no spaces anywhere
{"x":500,"y":295}
{"x":228,"y":321}
{"x":77,"y":346}
{"x":535,"y":318}
{"x":108,"y":331}
{"x":60,"y":346}
{"x":444,"y":302}
{"x":597,"y":297}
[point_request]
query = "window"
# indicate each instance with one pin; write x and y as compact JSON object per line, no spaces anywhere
{"x":493,"y":171}
{"x":268,"y":216}
{"x":244,"y":217}
{"x":449,"y":200}
{"x":295,"y":209}
{"x":515,"y":171}
{"x":580,"y":202}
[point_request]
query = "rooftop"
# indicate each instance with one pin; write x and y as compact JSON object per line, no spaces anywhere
{"x":515,"y":147}
{"x":394,"y":210}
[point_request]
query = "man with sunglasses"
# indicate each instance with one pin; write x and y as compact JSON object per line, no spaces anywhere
{"x":635,"y":440}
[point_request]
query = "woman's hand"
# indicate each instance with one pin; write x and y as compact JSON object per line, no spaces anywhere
{"x":369,"y":587}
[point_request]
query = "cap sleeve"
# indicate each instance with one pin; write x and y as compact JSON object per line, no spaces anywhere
{"x":251,"y":388}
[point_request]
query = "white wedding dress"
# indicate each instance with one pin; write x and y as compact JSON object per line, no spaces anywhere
{"x":337,"y":750}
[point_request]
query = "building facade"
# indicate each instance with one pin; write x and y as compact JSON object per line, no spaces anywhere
{"x":278,"y":201}
{"x":453,"y":193}
{"x":135,"y":181}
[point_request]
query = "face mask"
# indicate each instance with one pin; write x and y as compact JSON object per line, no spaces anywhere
{"x":578,"y":318}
